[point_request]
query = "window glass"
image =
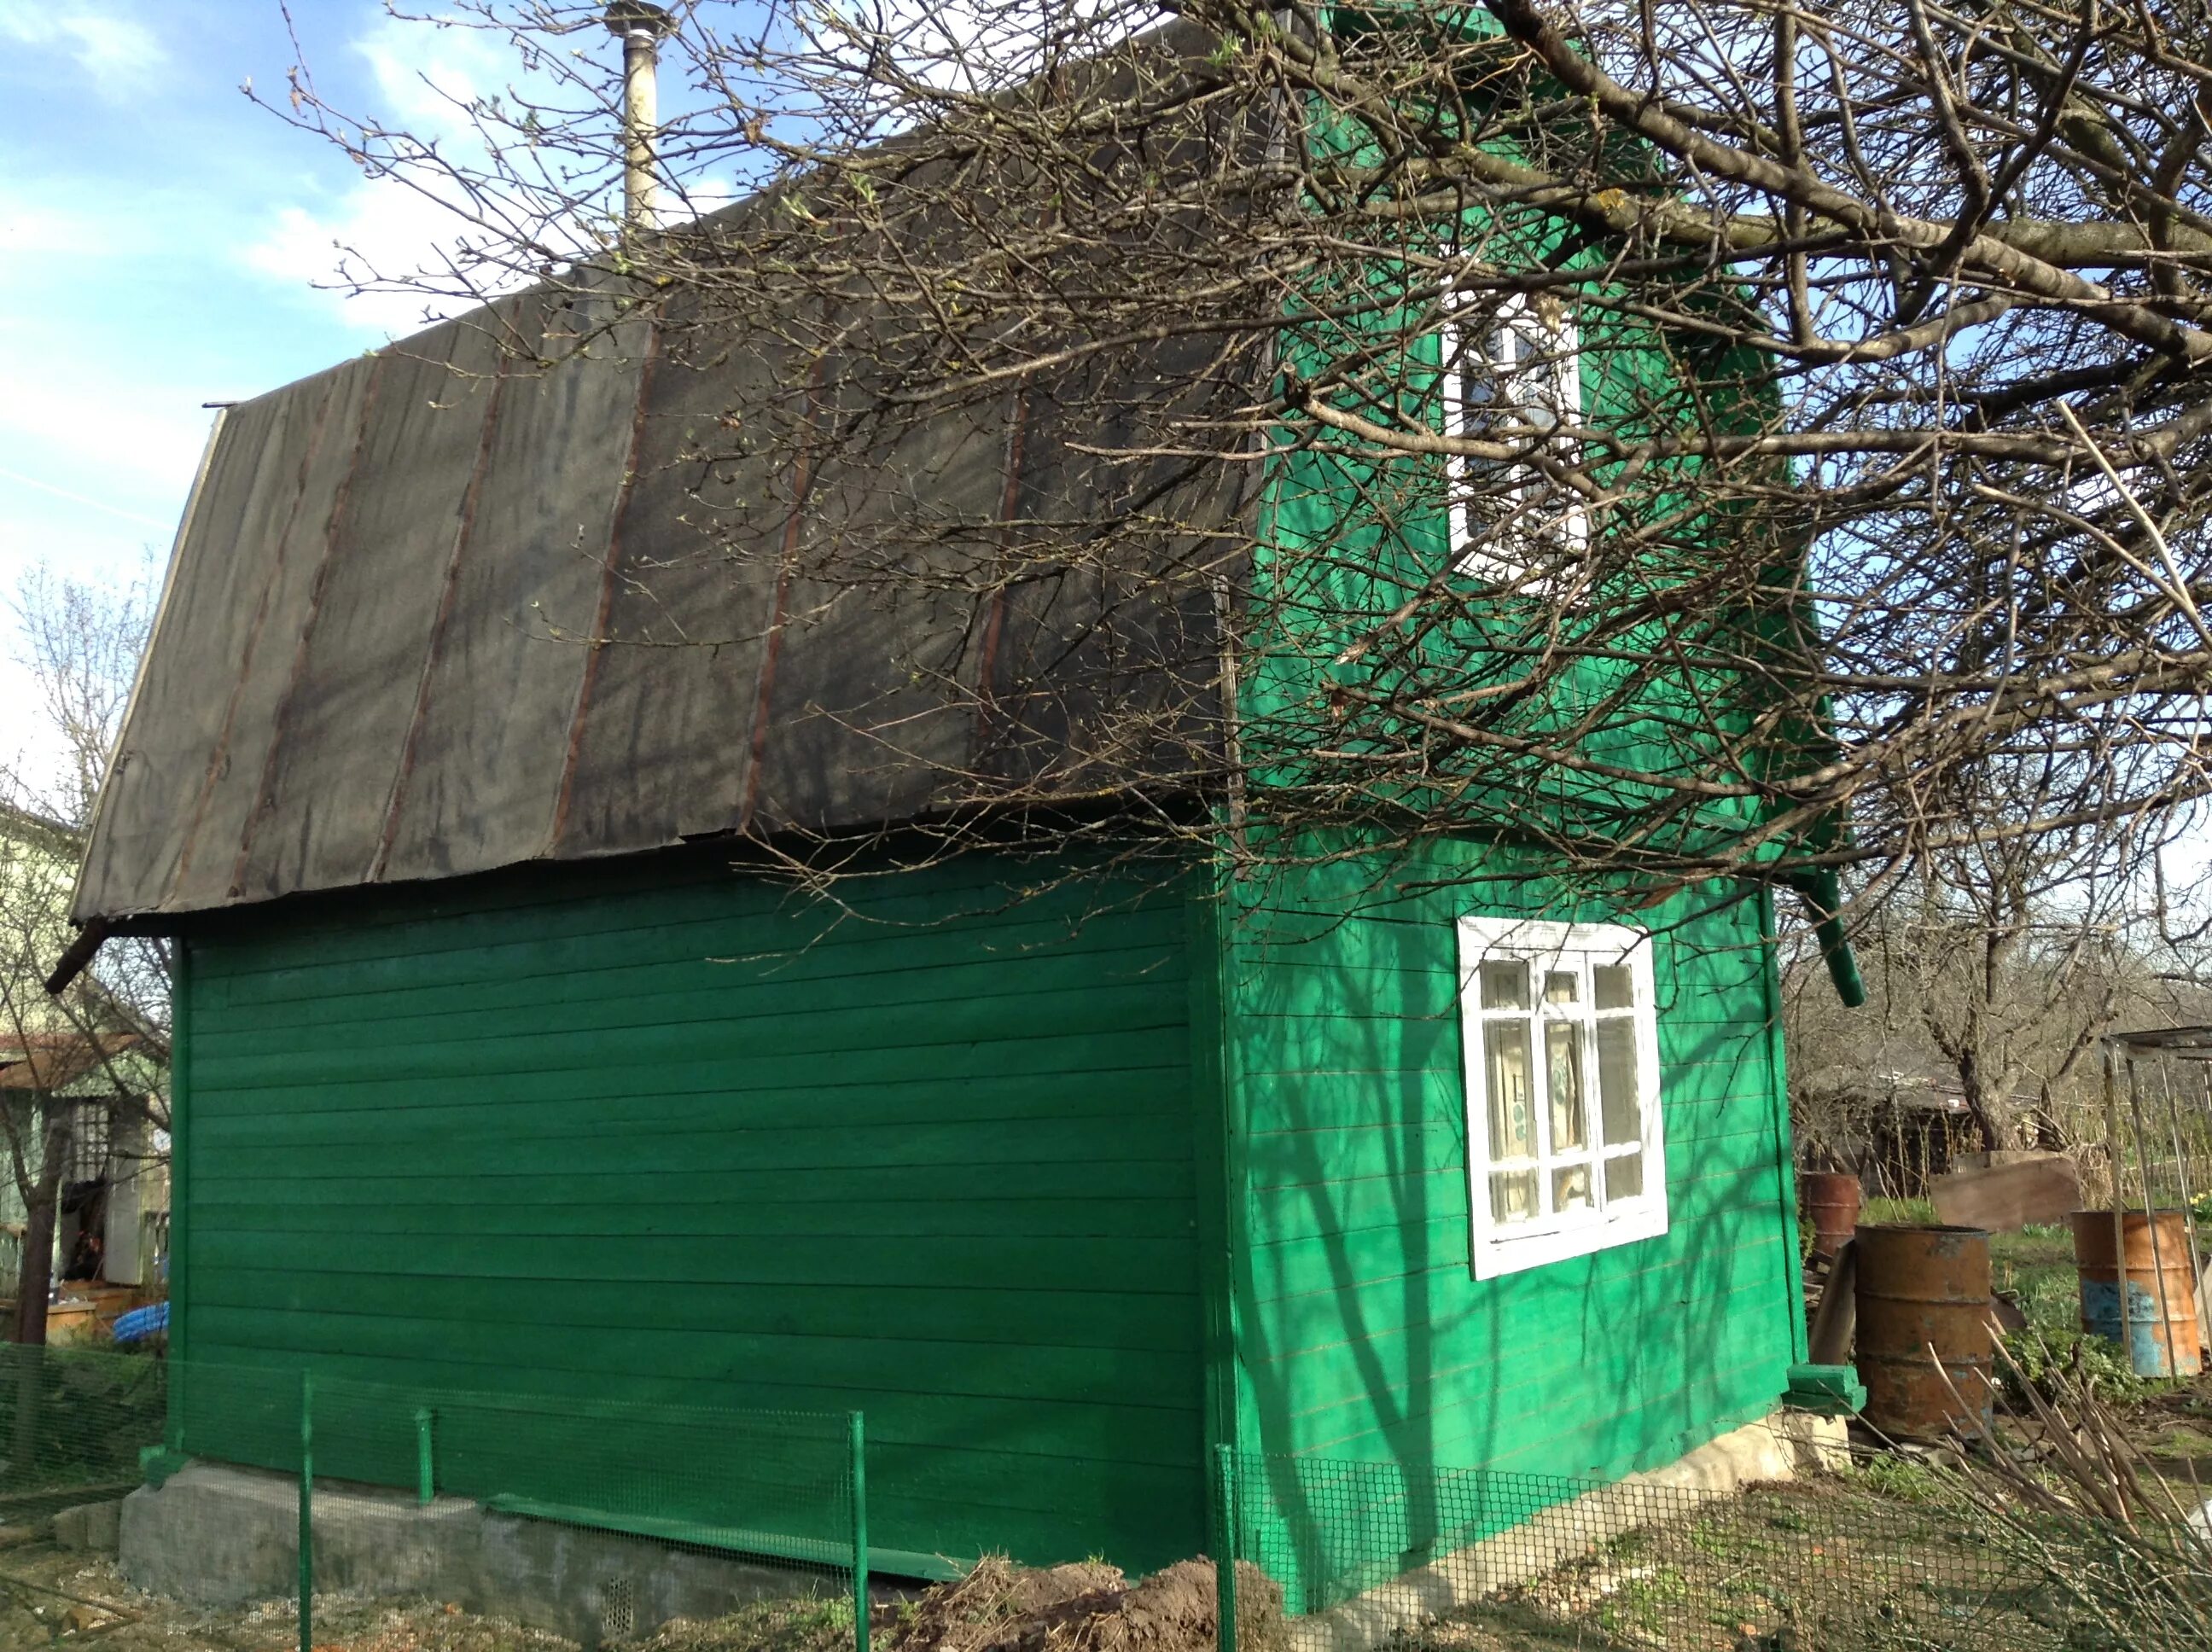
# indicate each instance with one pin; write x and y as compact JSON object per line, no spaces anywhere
{"x":1505,"y":985}
{"x":1570,"y":1188}
{"x":1512,"y":1120}
{"x":1563,"y":1063}
{"x":1513,"y":1197}
{"x":1624,"y":1176}
{"x":1614,"y":986}
{"x":1616,"y":1082}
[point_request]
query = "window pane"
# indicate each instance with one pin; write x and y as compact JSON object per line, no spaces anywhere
{"x":1563,"y":1057}
{"x":1624,"y":1176}
{"x":1512,"y":1117}
{"x":1570,"y":1189}
{"x":1615,"y":984}
{"x":1561,"y":987}
{"x":1513,"y":1196}
{"x":1616,"y":1082}
{"x":1505,"y":985}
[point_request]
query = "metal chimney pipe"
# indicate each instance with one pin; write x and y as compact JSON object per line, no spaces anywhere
{"x":641,"y":27}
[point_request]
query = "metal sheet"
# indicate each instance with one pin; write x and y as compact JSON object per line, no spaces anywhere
{"x":481,"y":776}
{"x":484,"y":600}
{"x":144,"y":810}
{"x":333,"y":753}
{"x":869,"y":713}
{"x":264,"y":665}
{"x":658,"y":749}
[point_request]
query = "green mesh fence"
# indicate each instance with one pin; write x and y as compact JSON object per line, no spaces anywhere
{"x":592,"y":1519}
{"x":73,"y":1425}
{"x":1337,"y":1554}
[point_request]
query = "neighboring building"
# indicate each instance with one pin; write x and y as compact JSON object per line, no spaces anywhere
{"x":1896,"y":1128}
{"x":491,"y":1071}
{"x":113,"y":1192}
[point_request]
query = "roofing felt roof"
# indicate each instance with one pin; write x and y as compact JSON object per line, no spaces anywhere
{"x":52,"y":1060}
{"x":441,"y":609}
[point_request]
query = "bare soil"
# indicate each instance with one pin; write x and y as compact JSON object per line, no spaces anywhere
{"x":51,"y":1599}
{"x":1087,"y":1607}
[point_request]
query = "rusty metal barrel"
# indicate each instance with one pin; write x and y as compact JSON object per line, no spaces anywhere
{"x":2162,"y":1340}
{"x":1921,"y":1288}
{"x":1831,"y":1198}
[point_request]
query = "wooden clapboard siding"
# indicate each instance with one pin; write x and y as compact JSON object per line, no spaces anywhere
{"x":1362,"y":1332}
{"x":665,"y":1132}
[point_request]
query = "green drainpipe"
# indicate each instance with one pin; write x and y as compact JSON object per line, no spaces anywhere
{"x":1823,"y":894}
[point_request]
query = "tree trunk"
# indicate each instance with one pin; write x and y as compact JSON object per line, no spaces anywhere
{"x":1991,"y":1111}
{"x":41,"y":1212}
{"x":32,"y":1283}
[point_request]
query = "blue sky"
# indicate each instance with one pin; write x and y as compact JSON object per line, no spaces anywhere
{"x":160,"y":243}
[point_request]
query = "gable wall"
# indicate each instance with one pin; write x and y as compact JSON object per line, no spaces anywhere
{"x":577,"y":1135}
{"x":1362,"y":1332}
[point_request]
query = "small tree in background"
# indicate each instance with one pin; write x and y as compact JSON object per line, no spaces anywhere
{"x":108,"y":1031}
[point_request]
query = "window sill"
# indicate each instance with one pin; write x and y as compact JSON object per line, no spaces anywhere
{"x":1496,"y":1255}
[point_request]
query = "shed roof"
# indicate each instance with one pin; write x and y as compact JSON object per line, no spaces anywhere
{"x":508,"y":590}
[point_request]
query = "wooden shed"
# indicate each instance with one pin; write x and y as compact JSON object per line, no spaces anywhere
{"x":505,"y":1058}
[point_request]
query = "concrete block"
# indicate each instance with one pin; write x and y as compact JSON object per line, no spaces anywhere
{"x":221,"y":1536}
{"x":93,"y":1526}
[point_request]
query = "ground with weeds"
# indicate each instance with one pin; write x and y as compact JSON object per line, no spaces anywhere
{"x":51,"y":1598}
{"x":1864,"y":1562}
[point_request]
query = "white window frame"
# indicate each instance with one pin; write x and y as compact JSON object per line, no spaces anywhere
{"x":1499,"y":1248}
{"x":1532,"y":367}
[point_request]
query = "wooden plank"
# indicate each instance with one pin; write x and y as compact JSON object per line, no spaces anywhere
{"x":646,"y":997}
{"x":1835,"y":1322}
{"x":2046,"y":1188}
{"x":1011,"y":1318}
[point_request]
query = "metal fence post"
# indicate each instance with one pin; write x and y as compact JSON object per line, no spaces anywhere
{"x":306,"y":1512}
{"x":1225,"y":1524}
{"x":859,"y":1535}
{"x":426,"y":1477}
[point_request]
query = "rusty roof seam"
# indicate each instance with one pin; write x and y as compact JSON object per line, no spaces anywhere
{"x":264,"y":798}
{"x":220,"y":755}
{"x":764,"y":687}
{"x":994,"y":622}
{"x":463,"y":531}
{"x":610,"y":576}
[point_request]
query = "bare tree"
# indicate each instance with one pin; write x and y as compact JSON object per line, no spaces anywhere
{"x":1770,"y":437}
{"x":79,"y":644}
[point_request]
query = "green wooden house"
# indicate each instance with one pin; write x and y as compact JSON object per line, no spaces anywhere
{"x":504,"y":1059}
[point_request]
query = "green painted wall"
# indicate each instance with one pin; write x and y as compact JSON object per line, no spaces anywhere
{"x":573,"y":1133}
{"x":1363,"y":1332}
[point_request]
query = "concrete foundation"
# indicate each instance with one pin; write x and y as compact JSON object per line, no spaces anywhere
{"x":1779,"y":1448}
{"x":221,"y":1536}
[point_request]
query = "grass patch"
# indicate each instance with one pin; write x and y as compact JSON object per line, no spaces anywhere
{"x":1876,"y":1561}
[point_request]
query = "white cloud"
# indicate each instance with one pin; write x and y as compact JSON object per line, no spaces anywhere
{"x":378,"y":231}
{"x":428,"y":73}
{"x":425,"y":75}
{"x":119,"y":54}
{"x":31,"y":228}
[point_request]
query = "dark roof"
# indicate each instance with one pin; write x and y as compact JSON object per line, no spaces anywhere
{"x":376,"y":659}
{"x":51,"y":1061}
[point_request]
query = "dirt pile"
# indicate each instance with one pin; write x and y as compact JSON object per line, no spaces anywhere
{"x":1087,"y":1607}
